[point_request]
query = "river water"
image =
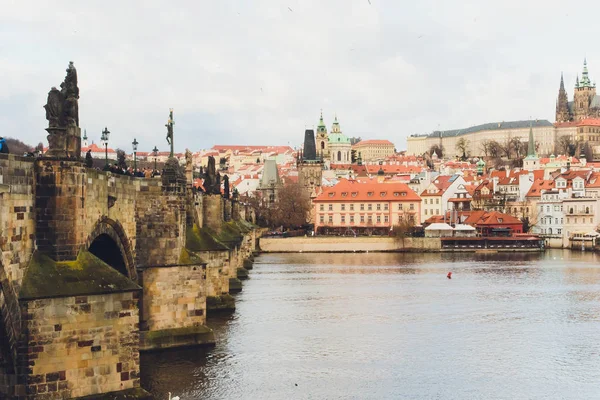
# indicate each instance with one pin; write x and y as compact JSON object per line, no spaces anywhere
{"x":392,"y":326}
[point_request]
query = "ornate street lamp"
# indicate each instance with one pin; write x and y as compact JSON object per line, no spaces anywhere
{"x":134,"y":144}
{"x":104,"y":138}
{"x":155,"y":150}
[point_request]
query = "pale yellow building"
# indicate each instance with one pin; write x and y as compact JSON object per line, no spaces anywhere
{"x":544,"y":134}
{"x":373,"y":150}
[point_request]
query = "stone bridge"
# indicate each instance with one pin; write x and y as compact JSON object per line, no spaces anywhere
{"x":96,"y":267}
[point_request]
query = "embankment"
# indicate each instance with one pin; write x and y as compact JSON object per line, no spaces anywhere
{"x":335,"y":244}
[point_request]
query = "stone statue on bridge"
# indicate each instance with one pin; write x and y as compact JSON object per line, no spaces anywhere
{"x":212,"y":180}
{"x":62,"y":113}
{"x":169,"y":126}
{"x":226,"y":186}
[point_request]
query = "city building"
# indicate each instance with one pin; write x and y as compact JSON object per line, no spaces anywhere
{"x":477,"y":136}
{"x":373,"y":150}
{"x":365,"y":206}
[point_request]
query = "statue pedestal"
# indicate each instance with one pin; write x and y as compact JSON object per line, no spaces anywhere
{"x":64,"y":142}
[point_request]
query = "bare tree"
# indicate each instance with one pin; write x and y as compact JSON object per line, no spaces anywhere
{"x":506,"y":148}
{"x":437,"y":149}
{"x":517,"y":146}
{"x":121,"y":159}
{"x":462,"y":146}
{"x":565,"y":145}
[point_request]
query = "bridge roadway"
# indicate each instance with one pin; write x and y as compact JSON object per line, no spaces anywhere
{"x":97,"y":267}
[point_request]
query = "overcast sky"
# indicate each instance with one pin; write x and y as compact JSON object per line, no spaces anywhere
{"x":258,"y":72}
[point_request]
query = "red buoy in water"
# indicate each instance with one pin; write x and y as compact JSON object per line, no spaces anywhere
{"x":449,"y":276}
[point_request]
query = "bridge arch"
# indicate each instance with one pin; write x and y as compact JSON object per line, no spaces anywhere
{"x":109,"y":242}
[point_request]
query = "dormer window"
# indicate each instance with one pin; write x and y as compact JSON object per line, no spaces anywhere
{"x":382,"y":194}
{"x":331,"y":194}
{"x":354,"y":194}
{"x":396,"y":194}
{"x":369,"y":194}
{"x":403,"y":194}
{"x":344,"y":194}
{"x":500,"y":220}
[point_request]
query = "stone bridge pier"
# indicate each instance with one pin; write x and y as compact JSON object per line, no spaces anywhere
{"x":96,"y":267}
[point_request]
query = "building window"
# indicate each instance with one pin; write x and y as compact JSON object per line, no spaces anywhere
{"x":386,"y":219}
{"x":386,"y":207}
{"x":343,"y":207}
{"x":369,"y":206}
{"x":425,"y":211}
{"x":321,"y":207}
{"x":412,"y":206}
{"x":352,"y":219}
{"x":351,"y":207}
{"x":343,"y":219}
{"x":378,"y":207}
{"x":322,"y":218}
{"x":399,"y":207}
{"x":379,"y":219}
{"x":437,"y":201}
{"x":362,"y":219}
{"x":331,"y":207}
{"x":370,"y":219}
{"x":362,"y":207}
{"x":330,"y":219}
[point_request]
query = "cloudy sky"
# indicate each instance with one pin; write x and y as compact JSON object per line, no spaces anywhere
{"x":258,"y":72}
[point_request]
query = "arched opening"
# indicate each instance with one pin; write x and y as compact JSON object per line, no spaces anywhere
{"x":322,"y":145}
{"x":339,"y":156}
{"x":105,"y":248}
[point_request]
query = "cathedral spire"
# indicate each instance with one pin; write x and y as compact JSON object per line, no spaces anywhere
{"x":585,"y":79}
{"x":562,"y":82}
{"x":321,"y":127}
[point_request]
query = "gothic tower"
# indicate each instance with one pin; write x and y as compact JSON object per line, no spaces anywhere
{"x":585,"y":92}
{"x":310,"y":167}
{"x":322,"y":139}
{"x":562,"y":104}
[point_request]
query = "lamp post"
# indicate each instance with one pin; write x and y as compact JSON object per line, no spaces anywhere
{"x":134,"y":144}
{"x":104,"y":138}
{"x":155,"y":151}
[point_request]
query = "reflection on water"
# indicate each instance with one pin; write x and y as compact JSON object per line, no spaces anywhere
{"x":379,"y":325}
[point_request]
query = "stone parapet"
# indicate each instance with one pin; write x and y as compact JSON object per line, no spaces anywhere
{"x":329,"y":244}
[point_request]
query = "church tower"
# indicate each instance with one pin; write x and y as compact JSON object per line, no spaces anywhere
{"x":562,"y":104}
{"x":322,"y":139}
{"x":532,"y":161}
{"x":585,"y":92}
{"x":310,"y":168}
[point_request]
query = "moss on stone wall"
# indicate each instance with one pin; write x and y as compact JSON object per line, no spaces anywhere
{"x":84,"y":276}
{"x":129,"y":394}
{"x":189,"y":257}
{"x":202,"y":240}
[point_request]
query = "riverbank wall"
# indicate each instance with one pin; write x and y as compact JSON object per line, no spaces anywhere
{"x":335,"y":244}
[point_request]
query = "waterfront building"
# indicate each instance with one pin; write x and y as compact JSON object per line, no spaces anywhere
{"x":373,"y":150}
{"x":437,"y":195}
{"x":365,"y":206}
{"x":550,"y":214}
{"x":487,"y":223}
{"x":581,"y":218}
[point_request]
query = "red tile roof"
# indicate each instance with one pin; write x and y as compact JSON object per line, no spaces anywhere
{"x":354,"y":190}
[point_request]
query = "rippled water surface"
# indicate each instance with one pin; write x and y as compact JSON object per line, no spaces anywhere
{"x":375,"y":326}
